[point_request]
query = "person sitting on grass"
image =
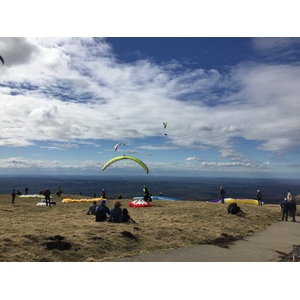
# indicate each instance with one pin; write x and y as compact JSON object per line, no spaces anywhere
{"x":116,"y":213}
{"x":234,"y":209}
{"x":126,"y":216}
{"x":92,"y":209}
{"x":102,"y":212}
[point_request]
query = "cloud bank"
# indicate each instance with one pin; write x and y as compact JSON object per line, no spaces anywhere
{"x":69,"y":91}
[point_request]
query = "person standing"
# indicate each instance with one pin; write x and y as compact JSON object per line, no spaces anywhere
{"x":103,"y":194}
{"x":26,"y":190}
{"x":146,"y":193}
{"x":58,"y":192}
{"x":222,"y":195}
{"x":293,"y":208}
{"x":259,"y":197}
{"x":47,"y":194}
{"x":285,"y":206}
{"x":13,"y":196}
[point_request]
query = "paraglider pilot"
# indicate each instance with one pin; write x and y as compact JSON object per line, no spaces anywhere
{"x":147,"y":196}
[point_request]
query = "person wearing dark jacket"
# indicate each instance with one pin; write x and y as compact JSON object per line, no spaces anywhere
{"x":259,"y":197}
{"x":221,"y":195}
{"x":293,"y":208}
{"x":102,"y":212}
{"x":47,"y":194}
{"x":126,"y":216}
{"x":13,"y":196}
{"x":285,"y":206}
{"x":146,"y":194}
{"x":116,"y":213}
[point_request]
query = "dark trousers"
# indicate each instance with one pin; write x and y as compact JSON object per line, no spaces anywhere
{"x":47,"y":201}
{"x":292,"y":214}
{"x":285,"y":214}
{"x":222,"y":199}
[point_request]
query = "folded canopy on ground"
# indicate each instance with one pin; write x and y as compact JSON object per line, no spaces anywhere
{"x":237,"y":200}
{"x":139,"y":203}
{"x":33,"y":196}
{"x":43,"y":203}
{"x":70,"y":200}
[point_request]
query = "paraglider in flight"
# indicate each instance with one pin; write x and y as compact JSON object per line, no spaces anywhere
{"x":126,"y":157}
{"x":1,"y":58}
{"x":165,"y":125}
{"x":116,"y":147}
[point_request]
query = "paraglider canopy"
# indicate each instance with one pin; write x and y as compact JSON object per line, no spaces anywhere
{"x":2,"y":60}
{"x":116,"y":146}
{"x":142,"y":164}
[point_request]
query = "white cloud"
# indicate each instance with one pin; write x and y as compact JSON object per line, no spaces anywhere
{"x":65,"y":90}
{"x":274,"y":43}
{"x":33,"y":166}
{"x":194,"y":158}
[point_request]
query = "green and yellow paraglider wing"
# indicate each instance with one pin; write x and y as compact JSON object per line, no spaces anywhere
{"x":143,"y":165}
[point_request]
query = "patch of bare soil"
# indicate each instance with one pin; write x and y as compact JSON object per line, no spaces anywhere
{"x":57,"y":242}
{"x":224,"y":241}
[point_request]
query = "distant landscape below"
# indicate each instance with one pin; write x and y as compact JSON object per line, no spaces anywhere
{"x":185,"y":188}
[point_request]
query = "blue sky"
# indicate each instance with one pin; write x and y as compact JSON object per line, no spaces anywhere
{"x":231,"y":100}
{"x":232,"y":105}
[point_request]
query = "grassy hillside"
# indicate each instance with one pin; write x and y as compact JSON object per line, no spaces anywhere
{"x":66,"y":233}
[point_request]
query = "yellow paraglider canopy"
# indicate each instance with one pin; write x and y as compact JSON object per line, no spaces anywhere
{"x":143,"y":165}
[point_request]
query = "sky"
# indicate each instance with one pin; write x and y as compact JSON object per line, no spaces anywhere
{"x":231,"y":105}
{"x":229,"y":92}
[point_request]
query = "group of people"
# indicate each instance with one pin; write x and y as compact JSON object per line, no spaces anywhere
{"x":221,"y":196}
{"x":288,"y":207}
{"x":103,"y":214}
{"x":14,"y":194}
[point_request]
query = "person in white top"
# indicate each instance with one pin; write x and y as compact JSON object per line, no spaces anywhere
{"x":289,"y":195}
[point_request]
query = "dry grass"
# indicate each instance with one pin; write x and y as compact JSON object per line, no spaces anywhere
{"x":27,"y":229}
